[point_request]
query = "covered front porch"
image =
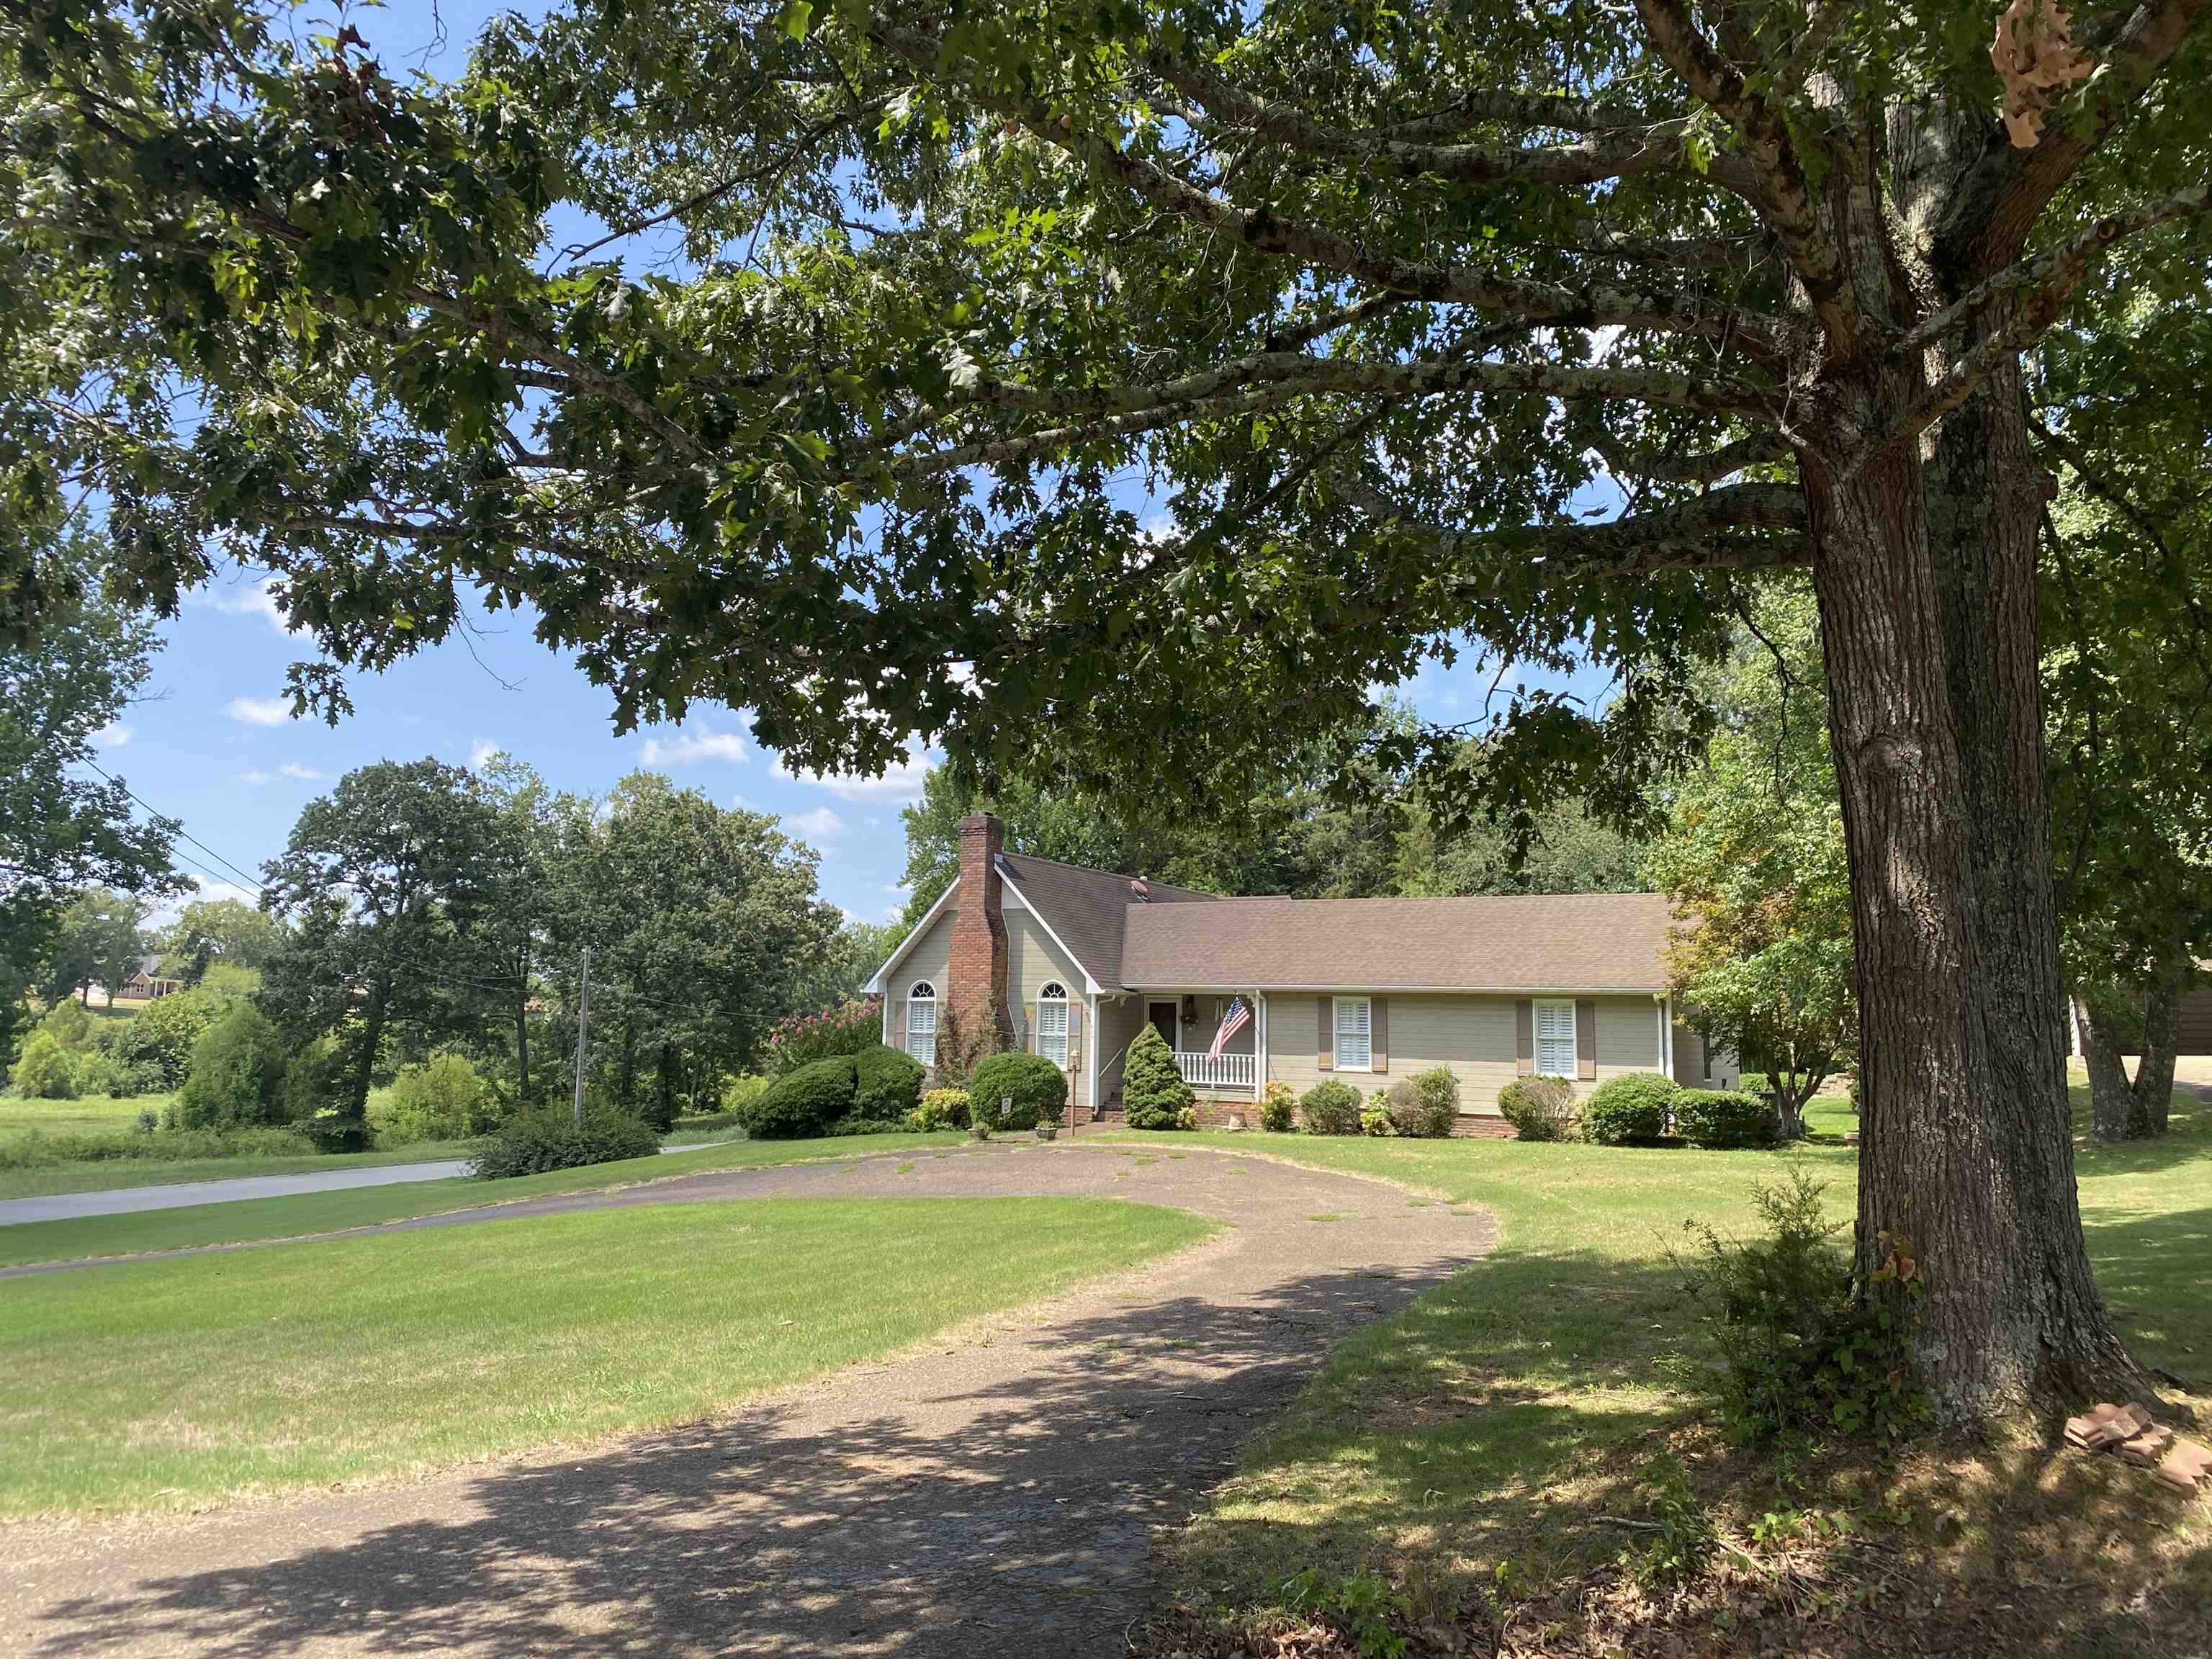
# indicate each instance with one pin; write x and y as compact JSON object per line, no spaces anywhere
{"x":1190,"y":1019}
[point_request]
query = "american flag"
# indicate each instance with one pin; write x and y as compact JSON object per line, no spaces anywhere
{"x":1238,"y":1017}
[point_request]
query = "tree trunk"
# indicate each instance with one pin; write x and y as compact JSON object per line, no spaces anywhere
{"x":1965,"y":1156}
{"x":2111,"y":1100}
{"x":371,"y":1036}
{"x":664,"y":1089}
{"x":2154,"y":1086}
{"x":522,"y":1026}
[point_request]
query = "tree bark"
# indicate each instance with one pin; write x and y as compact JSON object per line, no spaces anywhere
{"x":1965,"y":1155}
{"x":372,"y":1035}
{"x":2112,"y":1098}
{"x":522,"y":1026}
{"x":2154,"y":1084}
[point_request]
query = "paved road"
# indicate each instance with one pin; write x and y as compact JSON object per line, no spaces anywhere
{"x":996,"y":1494}
{"x":174,"y":1195}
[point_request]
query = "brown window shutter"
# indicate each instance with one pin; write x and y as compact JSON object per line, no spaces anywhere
{"x":1075,"y":1035}
{"x":1585,"y":1040}
{"x":1524,"y":1038}
{"x":1029,"y":1031}
{"x":1378,"y":1031}
{"x":898,"y":1024}
{"x":1325,"y":1045}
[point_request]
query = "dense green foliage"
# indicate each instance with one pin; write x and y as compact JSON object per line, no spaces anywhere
{"x":1426,"y":1106}
{"x":440,"y":1098}
{"x":156,"y":1048}
{"x":1629,"y":1110}
{"x":236,"y":1078}
{"x":1723,"y":1118}
{"x":533,"y":1142}
{"x":166,"y":1146}
{"x":45,"y":1069}
{"x":803,"y":1102}
{"x":1016,"y":1091}
{"x":1153,"y":1092}
{"x":1540,"y":1108}
{"x":887,"y":1084}
{"x":209,"y":931}
{"x":1279,"y":1108}
{"x":1331,"y":1107}
{"x":99,"y":942}
{"x":847,"y":1029}
{"x":71,"y":662}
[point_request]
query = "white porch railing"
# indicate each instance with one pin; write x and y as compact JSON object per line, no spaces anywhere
{"x":1203,"y":1070}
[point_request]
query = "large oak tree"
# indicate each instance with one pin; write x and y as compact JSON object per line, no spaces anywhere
{"x":1361,"y":296}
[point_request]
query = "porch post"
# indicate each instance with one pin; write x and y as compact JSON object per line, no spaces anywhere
{"x":1259,"y":1048}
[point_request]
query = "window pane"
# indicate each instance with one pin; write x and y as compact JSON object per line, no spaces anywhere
{"x":922,"y":1031}
{"x":1353,"y":1050}
{"x":1555,"y":1039}
{"x":1052,"y":1032}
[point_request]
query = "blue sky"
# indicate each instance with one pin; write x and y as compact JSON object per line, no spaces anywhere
{"x":213,"y":744}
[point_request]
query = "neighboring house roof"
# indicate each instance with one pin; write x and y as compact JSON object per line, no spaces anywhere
{"x":1548,"y":942}
{"x":1084,"y":909}
{"x":149,"y":968}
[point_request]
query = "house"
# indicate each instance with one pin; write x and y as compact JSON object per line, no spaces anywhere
{"x":1073,"y":964}
{"x":147,"y":982}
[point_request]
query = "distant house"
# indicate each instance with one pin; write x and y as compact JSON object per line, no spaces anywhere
{"x":1079,"y":962}
{"x":147,"y":982}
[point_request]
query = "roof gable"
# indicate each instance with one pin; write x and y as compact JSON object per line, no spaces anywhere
{"x":1087,"y":910}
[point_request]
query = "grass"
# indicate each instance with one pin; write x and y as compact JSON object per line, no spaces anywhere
{"x":1498,"y":1428}
{"x":163,"y":1384}
{"x":243,"y":1219}
{"x":93,"y":1114}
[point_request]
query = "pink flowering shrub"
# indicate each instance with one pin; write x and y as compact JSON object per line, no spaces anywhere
{"x":804,"y":1038}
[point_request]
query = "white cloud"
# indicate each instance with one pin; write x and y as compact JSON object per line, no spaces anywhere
{"x":305,"y":773}
{"x":821,"y":824}
{"x":261,"y":711}
{"x":251,"y":598}
{"x":171,"y":908}
{"x":481,"y":751}
{"x":257,"y":779}
{"x":689,"y":744}
{"x":114,"y":735}
{"x":898,"y":889}
{"x":900,"y":782}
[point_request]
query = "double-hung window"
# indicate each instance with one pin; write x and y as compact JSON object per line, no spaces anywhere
{"x":1355,"y":1035}
{"x":921,"y":1022}
{"x":1555,"y":1039}
{"x":1052,"y":1023}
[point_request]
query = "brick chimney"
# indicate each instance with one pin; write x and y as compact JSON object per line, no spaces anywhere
{"x":976,"y":998}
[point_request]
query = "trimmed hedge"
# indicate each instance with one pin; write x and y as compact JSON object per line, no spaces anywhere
{"x":1039,"y":1088}
{"x":1153,"y":1093}
{"x":1538,"y":1108}
{"x":1724,"y":1118}
{"x":534,"y":1142}
{"x":940,"y":1109}
{"x":887,"y":1084}
{"x":1331,"y":1107}
{"x":1425,"y":1105}
{"x":1629,"y":1110}
{"x":804,"y":1102}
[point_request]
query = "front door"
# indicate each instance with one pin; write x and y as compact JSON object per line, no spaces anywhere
{"x":1164,"y":1017}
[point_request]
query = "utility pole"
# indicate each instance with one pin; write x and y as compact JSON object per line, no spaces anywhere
{"x":583,"y":1013}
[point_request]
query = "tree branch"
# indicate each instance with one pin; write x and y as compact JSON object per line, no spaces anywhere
{"x":1758,"y":449}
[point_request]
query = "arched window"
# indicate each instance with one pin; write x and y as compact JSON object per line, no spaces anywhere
{"x":921,"y":1022}
{"x":1052,"y":1023}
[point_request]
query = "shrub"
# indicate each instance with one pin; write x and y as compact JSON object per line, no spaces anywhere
{"x":1279,"y":1108}
{"x":1039,"y":1088}
{"x":1724,"y":1118}
{"x":440,"y":1098}
{"x":1801,"y":1353}
{"x":1538,"y":1108}
{"x":38,"y":1151}
{"x":156,"y":1048}
{"x":44,"y":1070}
{"x":805,"y":1101}
{"x":940,"y":1109}
{"x":1426,"y":1104}
{"x":1375,"y":1115}
{"x":1152,"y":1089}
{"x":1331,"y":1107}
{"x":740,"y":1092}
{"x":1629,"y":1110}
{"x":315,"y":1081}
{"x":532,"y":1142}
{"x":237,"y":1075}
{"x":887,"y":1084}
{"x":69,"y":1023}
{"x":804,"y":1038}
{"x":96,"y":1074}
{"x":1187,"y":1118}
{"x":857,"y":1125}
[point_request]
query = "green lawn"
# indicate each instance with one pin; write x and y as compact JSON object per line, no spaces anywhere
{"x":1506,"y":1420}
{"x":163,"y":1384}
{"x":363,"y":1206}
{"x":94,"y":1115}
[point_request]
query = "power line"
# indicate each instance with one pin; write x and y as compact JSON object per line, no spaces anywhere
{"x":251,"y":881}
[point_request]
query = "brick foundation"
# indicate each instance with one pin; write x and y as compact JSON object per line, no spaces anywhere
{"x":1214,"y":1112}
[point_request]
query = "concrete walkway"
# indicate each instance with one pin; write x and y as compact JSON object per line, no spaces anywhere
{"x":178,"y":1195}
{"x":995,"y":1494}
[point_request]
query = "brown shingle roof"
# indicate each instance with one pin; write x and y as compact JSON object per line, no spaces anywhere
{"x":1084,"y":908}
{"x":1563,"y":942}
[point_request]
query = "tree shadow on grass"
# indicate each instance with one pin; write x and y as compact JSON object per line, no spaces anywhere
{"x":990,"y":1504}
